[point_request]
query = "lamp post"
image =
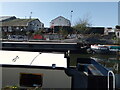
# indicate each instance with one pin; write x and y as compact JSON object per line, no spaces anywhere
{"x":71,"y":17}
{"x":30,"y":15}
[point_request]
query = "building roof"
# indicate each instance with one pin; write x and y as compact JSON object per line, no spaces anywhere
{"x":17,"y":22}
{"x":59,"y":17}
{"x":5,"y":18}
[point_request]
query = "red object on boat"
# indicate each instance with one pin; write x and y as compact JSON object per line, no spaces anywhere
{"x":37,"y":37}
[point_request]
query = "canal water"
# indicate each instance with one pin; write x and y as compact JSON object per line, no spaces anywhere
{"x":111,"y":62}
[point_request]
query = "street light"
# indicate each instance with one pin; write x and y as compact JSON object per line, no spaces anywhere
{"x":71,"y":17}
{"x":30,"y":15}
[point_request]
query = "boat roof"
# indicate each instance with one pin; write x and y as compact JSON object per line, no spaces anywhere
{"x":32,"y":59}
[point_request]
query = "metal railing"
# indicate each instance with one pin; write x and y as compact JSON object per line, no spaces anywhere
{"x":113,"y":75}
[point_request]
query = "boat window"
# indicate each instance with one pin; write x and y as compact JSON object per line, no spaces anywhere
{"x":31,"y":80}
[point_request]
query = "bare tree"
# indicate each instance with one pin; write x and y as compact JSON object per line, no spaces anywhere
{"x":82,"y":25}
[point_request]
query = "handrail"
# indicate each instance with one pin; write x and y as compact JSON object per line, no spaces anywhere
{"x":109,"y":79}
{"x":35,"y":58}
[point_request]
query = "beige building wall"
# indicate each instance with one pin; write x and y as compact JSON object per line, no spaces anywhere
{"x":60,"y":21}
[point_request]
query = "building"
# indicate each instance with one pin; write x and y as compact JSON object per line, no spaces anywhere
{"x":6,"y":18}
{"x":15,"y":24}
{"x":96,"y":30}
{"x":109,"y":31}
{"x":60,"y":21}
{"x":117,"y":31}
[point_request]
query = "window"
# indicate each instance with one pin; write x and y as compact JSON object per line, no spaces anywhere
{"x":118,"y":34}
{"x":31,"y":80}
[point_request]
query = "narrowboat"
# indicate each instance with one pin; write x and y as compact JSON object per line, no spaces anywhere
{"x":45,"y":70}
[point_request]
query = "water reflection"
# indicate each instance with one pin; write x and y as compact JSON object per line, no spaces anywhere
{"x":111,"y":62}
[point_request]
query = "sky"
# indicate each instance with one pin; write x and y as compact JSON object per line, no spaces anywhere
{"x":103,"y":14}
{"x":119,"y":13}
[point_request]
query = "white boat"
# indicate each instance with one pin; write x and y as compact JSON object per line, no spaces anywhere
{"x":105,"y":49}
{"x":31,"y":69}
{"x":99,"y":49}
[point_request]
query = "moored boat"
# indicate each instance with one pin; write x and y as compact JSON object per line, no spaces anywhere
{"x":101,"y":49}
{"x":105,"y":49}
